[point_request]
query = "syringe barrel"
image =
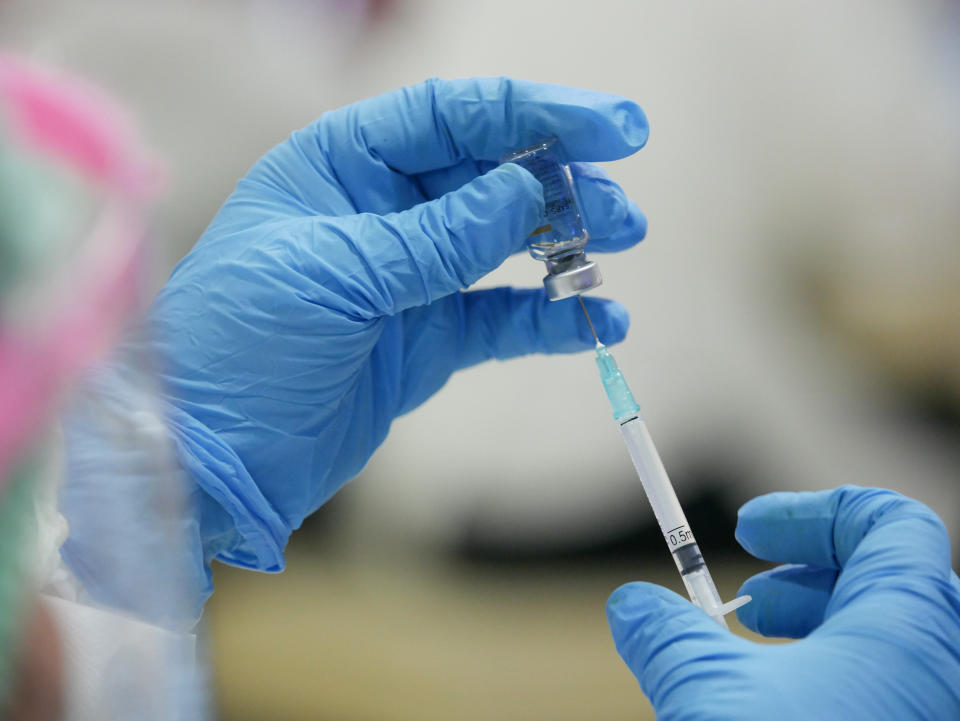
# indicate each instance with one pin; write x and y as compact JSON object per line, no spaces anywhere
{"x":673,"y":523}
{"x":703,"y":592}
{"x":663,"y":499}
{"x":666,"y":507}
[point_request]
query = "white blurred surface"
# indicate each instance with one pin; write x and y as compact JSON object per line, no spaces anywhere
{"x":779,"y":133}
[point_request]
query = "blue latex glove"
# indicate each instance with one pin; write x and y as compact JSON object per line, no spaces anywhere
{"x":324,"y":299}
{"x":871,"y":594}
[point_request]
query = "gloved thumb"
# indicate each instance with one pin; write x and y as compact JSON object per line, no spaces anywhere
{"x":401,"y":260}
{"x":662,"y":638}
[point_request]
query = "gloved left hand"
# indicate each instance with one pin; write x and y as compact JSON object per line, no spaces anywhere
{"x":324,"y":299}
{"x":868,"y":588}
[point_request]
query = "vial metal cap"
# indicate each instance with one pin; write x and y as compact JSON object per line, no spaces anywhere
{"x":574,"y":281}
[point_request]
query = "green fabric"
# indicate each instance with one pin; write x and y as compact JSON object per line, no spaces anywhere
{"x":16,"y":505}
{"x":45,"y":210}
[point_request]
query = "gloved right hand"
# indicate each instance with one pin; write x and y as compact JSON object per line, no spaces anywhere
{"x":325,"y":300}
{"x":868,"y":588}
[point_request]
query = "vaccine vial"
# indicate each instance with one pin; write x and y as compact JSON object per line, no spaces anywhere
{"x":560,"y":241}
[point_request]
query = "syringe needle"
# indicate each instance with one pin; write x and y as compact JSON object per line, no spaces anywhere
{"x":589,"y":322}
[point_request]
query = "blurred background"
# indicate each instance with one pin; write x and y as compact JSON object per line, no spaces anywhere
{"x":795,"y":321}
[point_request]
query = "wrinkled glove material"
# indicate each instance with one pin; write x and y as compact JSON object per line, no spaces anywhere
{"x":866,"y":587}
{"x":325,"y":298}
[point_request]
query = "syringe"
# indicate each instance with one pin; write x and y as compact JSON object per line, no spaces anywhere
{"x":673,"y":523}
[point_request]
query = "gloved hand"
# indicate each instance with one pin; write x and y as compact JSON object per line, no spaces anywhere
{"x":870,"y":592}
{"x":324,"y":299}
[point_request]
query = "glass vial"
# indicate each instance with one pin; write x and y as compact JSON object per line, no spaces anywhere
{"x":561,"y":240}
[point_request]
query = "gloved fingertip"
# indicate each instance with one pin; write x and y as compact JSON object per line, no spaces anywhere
{"x":519,"y":179}
{"x":604,"y":204}
{"x":633,"y":123}
{"x":742,"y":535}
{"x":645,"y":618}
{"x":747,"y":614}
{"x":636,"y":221}
{"x":521,"y":199}
{"x":633,"y":602}
{"x":789,"y":601}
{"x":475,"y":227}
{"x":753,"y":517}
{"x":657,"y":633}
{"x":631,"y":231}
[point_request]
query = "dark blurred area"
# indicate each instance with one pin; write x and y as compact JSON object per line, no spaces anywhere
{"x":795,"y":323}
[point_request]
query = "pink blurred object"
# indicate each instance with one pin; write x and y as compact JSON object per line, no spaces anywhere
{"x":76,"y":124}
{"x":54,"y":117}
